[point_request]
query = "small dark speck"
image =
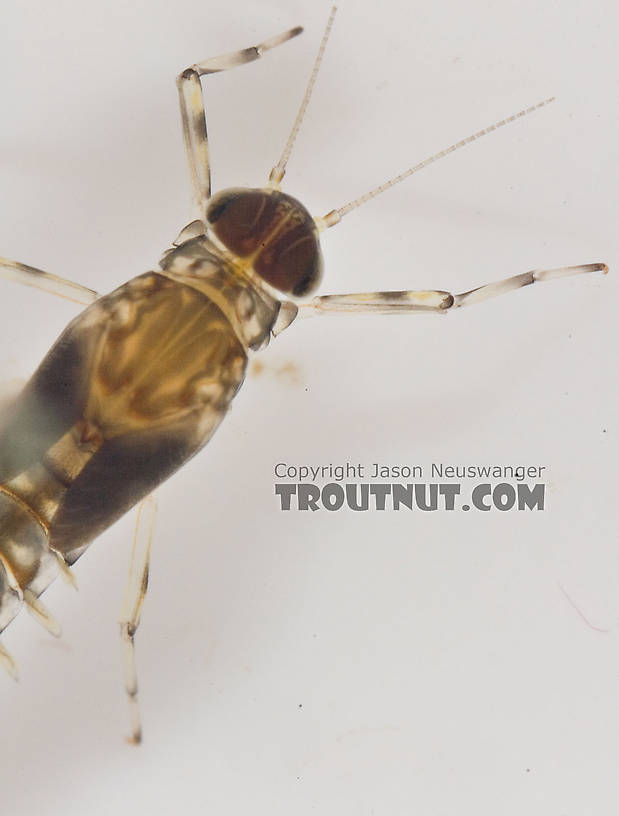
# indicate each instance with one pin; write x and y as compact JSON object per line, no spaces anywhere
{"x":570,"y":336}
{"x":306,"y":389}
{"x":300,"y":705}
{"x":603,"y":430}
{"x":528,"y":770}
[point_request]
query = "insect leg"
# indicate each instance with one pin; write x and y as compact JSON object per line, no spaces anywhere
{"x":41,"y":613}
{"x":435,"y":300}
{"x":132,"y":607}
{"x":192,"y":108}
{"x":8,"y":664}
{"x":11,"y":599}
{"x":29,"y":276}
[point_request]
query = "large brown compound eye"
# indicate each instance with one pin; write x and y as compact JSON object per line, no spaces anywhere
{"x":242,"y":219}
{"x":273,"y":232}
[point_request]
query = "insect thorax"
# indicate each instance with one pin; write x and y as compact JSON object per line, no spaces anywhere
{"x":250,"y":309}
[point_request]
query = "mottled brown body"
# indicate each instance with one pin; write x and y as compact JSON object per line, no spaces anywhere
{"x":132,"y":389}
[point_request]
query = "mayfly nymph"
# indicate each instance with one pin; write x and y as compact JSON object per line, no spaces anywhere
{"x":139,"y":381}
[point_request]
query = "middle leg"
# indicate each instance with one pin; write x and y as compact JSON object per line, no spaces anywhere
{"x":30,"y":276}
{"x":435,"y":300}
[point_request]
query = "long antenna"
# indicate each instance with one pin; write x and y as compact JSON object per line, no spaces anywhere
{"x":277,"y":173}
{"x":335,"y":216}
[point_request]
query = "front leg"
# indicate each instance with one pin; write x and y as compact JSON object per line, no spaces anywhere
{"x":194,"y":117}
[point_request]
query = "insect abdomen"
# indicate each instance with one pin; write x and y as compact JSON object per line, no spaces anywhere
{"x":26,"y":562}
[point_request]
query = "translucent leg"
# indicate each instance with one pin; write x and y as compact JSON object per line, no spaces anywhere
{"x":7,"y":663}
{"x":435,"y":300}
{"x":132,"y":608}
{"x":11,"y":599}
{"x":192,"y":109}
{"x":41,"y":613}
{"x":29,"y":276}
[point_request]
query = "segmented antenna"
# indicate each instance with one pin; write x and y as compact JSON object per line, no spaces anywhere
{"x":335,"y":216}
{"x":277,"y":173}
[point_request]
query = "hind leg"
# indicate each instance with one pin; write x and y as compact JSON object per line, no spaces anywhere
{"x":132,"y":608}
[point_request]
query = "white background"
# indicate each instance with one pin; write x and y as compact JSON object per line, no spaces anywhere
{"x":344,"y":663}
